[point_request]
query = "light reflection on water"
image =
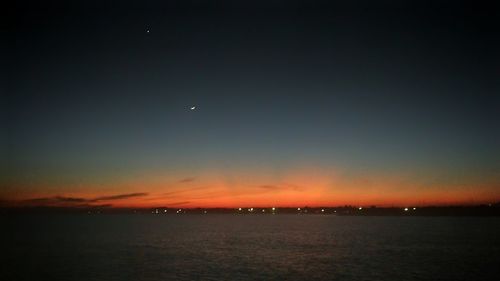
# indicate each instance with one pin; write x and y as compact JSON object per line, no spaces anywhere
{"x":259,"y":247}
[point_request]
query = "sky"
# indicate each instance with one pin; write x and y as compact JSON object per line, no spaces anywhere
{"x":317,"y":103}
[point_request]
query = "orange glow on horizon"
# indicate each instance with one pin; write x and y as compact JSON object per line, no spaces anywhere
{"x":232,"y":190}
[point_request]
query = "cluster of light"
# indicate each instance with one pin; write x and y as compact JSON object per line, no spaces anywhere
{"x":263,"y":210}
{"x":250,"y":210}
{"x":360,"y":208}
{"x":298,"y":209}
{"x":406,"y":209}
{"x":178,"y":211}
{"x":274,"y":209}
{"x":322,"y":210}
{"x":239,"y":209}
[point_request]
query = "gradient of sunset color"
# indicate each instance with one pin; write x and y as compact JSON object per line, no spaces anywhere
{"x":299,"y":187}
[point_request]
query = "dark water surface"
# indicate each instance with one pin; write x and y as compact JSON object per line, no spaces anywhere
{"x":252,"y":247}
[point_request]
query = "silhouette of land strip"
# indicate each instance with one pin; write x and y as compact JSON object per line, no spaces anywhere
{"x":475,"y":210}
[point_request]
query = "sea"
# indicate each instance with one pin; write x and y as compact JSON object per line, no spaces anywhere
{"x":248,"y":247}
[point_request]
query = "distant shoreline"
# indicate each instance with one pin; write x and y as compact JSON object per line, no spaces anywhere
{"x":477,"y":210}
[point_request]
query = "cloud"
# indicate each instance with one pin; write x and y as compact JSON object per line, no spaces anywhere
{"x":270,"y":187}
{"x":59,"y":201}
{"x":179,"y":203}
{"x":70,"y":199}
{"x":187,"y":180}
{"x":97,"y":206}
{"x":176,"y":192}
{"x":119,"y":196}
{"x":285,"y":186}
{"x":79,"y":201}
{"x":38,"y":200}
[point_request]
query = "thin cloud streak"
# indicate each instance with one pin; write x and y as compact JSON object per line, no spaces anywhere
{"x":272,"y":187}
{"x":79,"y":201}
{"x":187,"y":180}
{"x":119,"y":196}
{"x":179,"y":203}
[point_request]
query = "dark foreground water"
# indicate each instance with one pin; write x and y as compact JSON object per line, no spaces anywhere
{"x":252,"y":247}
